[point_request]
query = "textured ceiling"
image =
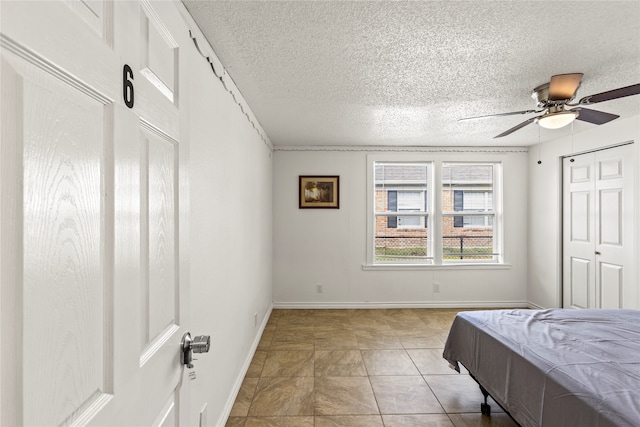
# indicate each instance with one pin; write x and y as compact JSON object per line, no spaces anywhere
{"x":403,"y":73}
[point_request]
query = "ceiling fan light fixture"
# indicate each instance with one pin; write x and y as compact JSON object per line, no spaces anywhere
{"x":557,"y":120}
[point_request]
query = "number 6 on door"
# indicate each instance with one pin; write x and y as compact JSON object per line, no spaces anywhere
{"x":127,"y":85}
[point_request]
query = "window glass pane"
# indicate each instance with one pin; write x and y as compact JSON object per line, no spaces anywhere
{"x":401,"y":187}
{"x":466,"y":188}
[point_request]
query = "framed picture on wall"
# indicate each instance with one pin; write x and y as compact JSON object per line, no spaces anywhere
{"x":319,"y":192}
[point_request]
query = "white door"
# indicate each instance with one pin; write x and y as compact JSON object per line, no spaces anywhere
{"x":598,"y":260}
{"x":94,"y":283}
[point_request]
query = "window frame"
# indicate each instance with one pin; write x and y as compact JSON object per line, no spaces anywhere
{"x":435,"y":213}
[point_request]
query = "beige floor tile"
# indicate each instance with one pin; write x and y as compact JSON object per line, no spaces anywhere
{"x":279,"y":422}
{"x":339,"y":363}
{"x":293,"y":338}
{"x":405,"y":323}
{"x":344,"y":396}
{"x":479,"y":420}
{"x":331,"y":320}
{"x":369,"y":323}
{"x":422,"y":420}
{"x":235,"y":422}
{"x":350,"y":421}
{"x":331,"y":312}
{"x":377,"y":340}
{"x":303,"y":344}
{"x":283,"y":396}
{"x":327,"y":339}
{"x":458,"y":393}
{"x":298,"y":363}
{"x":245,"y":397}
{"x":440,"y":319}
{"x":388,"y":362}
{"x":265,"y":341}
{"x":294,"y":330}
{"x":420,"y":341}
{"x":429,"y":361}
{"x":404,"y":395}
{"x":257,"y":363}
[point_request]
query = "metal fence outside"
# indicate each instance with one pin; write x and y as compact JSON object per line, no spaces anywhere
{"x":390,"y":248}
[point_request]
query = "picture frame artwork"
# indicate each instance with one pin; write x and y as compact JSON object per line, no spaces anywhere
{"x":319,"y":192}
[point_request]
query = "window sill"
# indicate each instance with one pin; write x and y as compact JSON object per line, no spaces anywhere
{"x":405,"y":267}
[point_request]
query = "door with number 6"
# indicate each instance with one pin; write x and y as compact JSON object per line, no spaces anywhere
{"x":93,"y":212}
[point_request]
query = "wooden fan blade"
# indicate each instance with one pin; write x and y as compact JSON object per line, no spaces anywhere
{"x":594,"y":116}
{"x":611,"y":94}
{"x":515,"y":128}
{"x":564,"y":86}
{"x":499,"y":115}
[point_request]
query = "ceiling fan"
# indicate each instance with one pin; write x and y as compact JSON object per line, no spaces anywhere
{"x":552,"y":99}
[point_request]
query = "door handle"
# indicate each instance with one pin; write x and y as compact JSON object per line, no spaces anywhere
{"x":188,"y":346}
{"x":597,"y":252}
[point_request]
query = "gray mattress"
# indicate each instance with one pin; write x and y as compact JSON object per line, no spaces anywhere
{"x":554,"y":367}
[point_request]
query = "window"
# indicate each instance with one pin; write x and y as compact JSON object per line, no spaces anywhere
{"x":458,"y":226}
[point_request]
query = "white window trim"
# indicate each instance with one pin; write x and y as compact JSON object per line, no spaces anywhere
{"x":435,"y":200}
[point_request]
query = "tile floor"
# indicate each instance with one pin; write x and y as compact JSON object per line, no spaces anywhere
{"x":352,"y":368}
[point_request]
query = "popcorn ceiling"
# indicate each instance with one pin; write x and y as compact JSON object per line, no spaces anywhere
{"x":402,"y":73}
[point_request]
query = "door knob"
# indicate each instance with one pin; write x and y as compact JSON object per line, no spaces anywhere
{"x":199,"y":344}
{"x":597,"y":252}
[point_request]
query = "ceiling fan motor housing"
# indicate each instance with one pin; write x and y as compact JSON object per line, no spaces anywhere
{"x":541,"y":95}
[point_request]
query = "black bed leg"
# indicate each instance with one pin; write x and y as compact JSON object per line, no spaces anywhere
{"x":485,"y":408}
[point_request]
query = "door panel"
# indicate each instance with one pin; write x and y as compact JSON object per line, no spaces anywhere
{"x":159,"y":62}
{"x":580,"y":212}
{"x":64,"y":279}
{"x":161,"y":237}
{"x":610,"y":285}
{"x":580,"y":279}
{"x":93,"y":283}
{"x":610,"y":217}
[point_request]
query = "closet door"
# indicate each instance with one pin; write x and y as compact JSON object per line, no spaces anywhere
{"x":598,"y":229}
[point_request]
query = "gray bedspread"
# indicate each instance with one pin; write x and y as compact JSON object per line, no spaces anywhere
{"x":554,"y":367}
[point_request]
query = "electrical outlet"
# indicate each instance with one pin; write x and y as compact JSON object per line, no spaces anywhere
{"x":319,"y":288}
{"x":255,"y":319}
{"x":436,"y":287}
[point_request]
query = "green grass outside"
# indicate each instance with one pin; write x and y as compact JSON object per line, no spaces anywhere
{"x":449,"y":253}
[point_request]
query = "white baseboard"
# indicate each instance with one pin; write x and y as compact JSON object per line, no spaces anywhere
{"x":407,"y":304}
{"x":535,"y":306}
{"x":245,"y":367}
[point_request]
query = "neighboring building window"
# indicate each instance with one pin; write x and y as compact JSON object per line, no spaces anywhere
{"x":465,"y":218}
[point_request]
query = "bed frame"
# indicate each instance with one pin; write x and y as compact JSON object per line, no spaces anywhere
{"x":553,"y":367}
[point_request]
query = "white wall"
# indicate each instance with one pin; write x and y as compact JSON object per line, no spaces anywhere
{"x":545,"y":201}
{"x":230,"y":237}
{"x":328,"y":246}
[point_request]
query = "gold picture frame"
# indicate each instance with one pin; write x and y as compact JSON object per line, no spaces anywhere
{"x":319,"y":192}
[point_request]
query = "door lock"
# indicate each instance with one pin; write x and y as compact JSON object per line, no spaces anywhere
{"x":199,"y":344}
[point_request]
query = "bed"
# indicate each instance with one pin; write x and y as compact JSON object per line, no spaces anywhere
{"x":553,"y":367}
